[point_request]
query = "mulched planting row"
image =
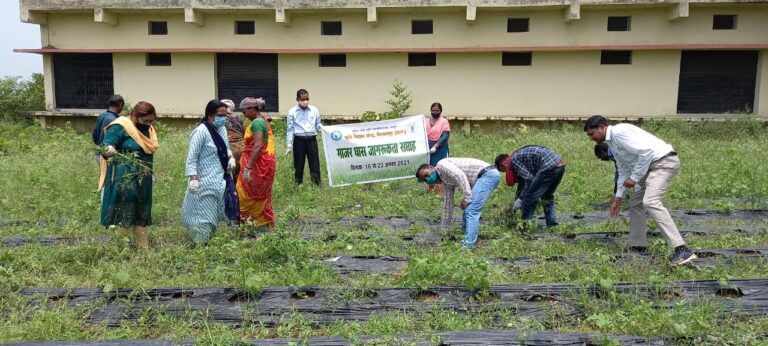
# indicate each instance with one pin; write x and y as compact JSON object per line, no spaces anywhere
{"x":433,"y":238}
{"x":387,"y":265}
{"x":325,"y":305}
{"x":449,"y":338}
{"x":275,"y":304}
{"x":396,"y":222}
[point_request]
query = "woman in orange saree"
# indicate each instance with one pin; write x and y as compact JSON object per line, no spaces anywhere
{"x":257,"y":173}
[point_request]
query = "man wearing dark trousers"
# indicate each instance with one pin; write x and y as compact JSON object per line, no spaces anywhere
{"x":539,"y":171}
{"x":303,"y":123}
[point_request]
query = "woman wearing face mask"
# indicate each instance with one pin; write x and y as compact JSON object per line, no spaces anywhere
{"x":438,"y":132}
{"x":127,"y":179}
{"x":254,"y":186}
{"x":208,"y":199}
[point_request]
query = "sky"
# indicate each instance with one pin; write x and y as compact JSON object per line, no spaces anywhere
{"x":15,"y":34}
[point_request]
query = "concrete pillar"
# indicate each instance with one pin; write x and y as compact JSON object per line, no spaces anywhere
{"x":282,"y":16}
{"x":194,"y":17}
{"x":43,"y":121}
{"x":572,"y":11}
{"x":50,"y":96}
{"x":373,"y":17}
{"x":679,"y":10}
{"x":471,"y":14}
{"x":101,"y":15}
{"x":33,"y":17}
{"x":761,"y":87}
{"x":466,"y":127}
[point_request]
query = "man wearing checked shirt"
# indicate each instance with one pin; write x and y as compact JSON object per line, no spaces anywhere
{"x":539,"y":170}
{"x":476,"y":179}
{"x":303,"y":122}
{"x":647,"y":164}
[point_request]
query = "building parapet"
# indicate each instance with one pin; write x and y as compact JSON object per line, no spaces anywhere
{"x":34,"y":11}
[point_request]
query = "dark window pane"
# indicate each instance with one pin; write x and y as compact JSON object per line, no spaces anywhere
{"x":517,"y":24}
{"x":242,"y":75}
{"x":421,"y":27}
{"x":330,"y":28}
{"x":158,"y":59}
{"x":158,"y":28}
{"x":333,"y":60}
{"x":245,"y":27}
{"x":422,"y":59}
{"x":723,"y":22}
{"x":83,"y":81}
{"x":619,"y":23}
{"x":616,"y":57}
{"x":516,"y":58}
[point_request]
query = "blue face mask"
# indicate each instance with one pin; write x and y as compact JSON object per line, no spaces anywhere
{"x":431,"y":178}
{"x":219,"y":121}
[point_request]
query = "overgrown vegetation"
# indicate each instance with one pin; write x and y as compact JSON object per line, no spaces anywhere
{"x":19,"y":95}
{"x":49,"y":188}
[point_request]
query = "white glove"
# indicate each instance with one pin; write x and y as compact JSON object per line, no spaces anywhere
{"x":231,"y":164}
{"x":432,"y":150}
{"x":247,"y":175}
{"x":288,"y":151}
{"x":194,"y":186}
{"x":518,"y":204}
{"x":110,"y":151}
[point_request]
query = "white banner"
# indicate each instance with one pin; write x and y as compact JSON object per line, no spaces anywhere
{"x":375,"y":151}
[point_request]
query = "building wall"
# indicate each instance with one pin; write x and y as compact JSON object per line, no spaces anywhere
{"x":475,"y":84}
{"x":565,"y":83}
{"x":650,"y":26}
{"x":184,"y":87}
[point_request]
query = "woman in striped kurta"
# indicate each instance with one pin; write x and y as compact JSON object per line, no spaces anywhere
{"x":204,"y":205}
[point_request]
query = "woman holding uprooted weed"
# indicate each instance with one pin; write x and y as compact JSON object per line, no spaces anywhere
{"x":211,"y":195}
{"x":126,"y":176}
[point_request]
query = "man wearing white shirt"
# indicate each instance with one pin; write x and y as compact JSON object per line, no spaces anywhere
{"x":303,"y":123}
{"x":647,"y":164}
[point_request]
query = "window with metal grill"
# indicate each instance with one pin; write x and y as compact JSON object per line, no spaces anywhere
{"x":516,"y":58}
{"x":158,"y":28}
{"x":517,"y":24}
{"x":619,"y":23}
{"x":158,"y":59}
{"x":615,"y":57}
{"x":82,"y":81}
{"x":245,"y":27}
{"x":421,"y":27}
{"x":333,"y":60}
{"x":724,"y":22}
{"x":330,"y":28}
{"x":422,"y":59}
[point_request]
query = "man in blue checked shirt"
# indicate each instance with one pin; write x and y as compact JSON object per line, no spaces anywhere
{"x":539,"y":171}
{"x":303,"y":122}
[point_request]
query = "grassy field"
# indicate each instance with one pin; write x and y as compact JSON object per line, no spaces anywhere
{"x":48,"y":187}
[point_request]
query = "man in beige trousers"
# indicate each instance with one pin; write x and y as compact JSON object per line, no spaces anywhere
{"x":647,"y":164}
